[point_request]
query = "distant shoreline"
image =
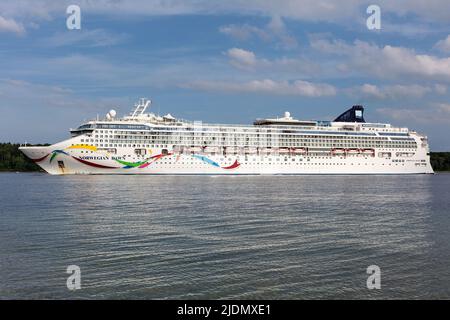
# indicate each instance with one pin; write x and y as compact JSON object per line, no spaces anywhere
{"x":13,"y":160}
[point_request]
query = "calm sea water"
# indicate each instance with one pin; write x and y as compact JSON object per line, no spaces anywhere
{"x":261,"y":237}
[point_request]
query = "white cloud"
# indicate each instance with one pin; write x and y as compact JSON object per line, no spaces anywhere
{"x":443,"y":45}
{"x":322,"y":43}
{"x":397,"y":91}
{"x":244,"y":32}
{"x":430,"y":11}
{"x":278,"y":28}
{"x":248,"y":61}
{"x":342,"y":12}
{"x":241,"y":58}
{"x":406,"y":115}
{"x":79,"y":71}
{"x":97,"y":72}
{"x":327,"y":10}
{"x":29,"y":95}
{"x":432,"y":115}
{"x":371,"y":90}
{"x":385,"y":62}
{"x":440,"y":88}
{"x":444,"y":107}
{"x":36,"y":97}
{"x":412,"y":29}
{"x":267,"y":86}
{"x":10,"y":25}
{"x":275,"y":30}
{"x":57,"y":108}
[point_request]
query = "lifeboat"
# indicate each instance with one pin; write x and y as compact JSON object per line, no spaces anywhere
{"x":248,"y":150}
{"x":338,"y":151}
{"x":299,"y":150}
{"x":265,"y":151}
{"x":231,"y":150}
{"x":353,"y":151}
{"x":370,"y":152}
{"x":196,"y":149}
{"x":211,"y":149}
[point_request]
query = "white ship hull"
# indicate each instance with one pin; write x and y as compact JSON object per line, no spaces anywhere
{"x":74,"y":162}
{"x":144,"y":143}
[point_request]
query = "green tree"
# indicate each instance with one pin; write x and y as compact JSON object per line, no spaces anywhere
{"x":12,"y":159}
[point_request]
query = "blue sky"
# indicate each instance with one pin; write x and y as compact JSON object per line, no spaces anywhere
{"x":223,"y":61}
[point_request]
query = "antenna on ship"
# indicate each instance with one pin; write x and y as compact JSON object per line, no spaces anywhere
{"x":141,"y":107}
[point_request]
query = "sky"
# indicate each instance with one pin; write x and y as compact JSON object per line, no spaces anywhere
{"x":223,"y":62}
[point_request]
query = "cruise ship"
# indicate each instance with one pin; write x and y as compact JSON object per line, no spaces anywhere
{"x":145,"y":143}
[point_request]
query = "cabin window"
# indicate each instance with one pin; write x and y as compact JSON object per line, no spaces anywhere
{"x":140,"y":152}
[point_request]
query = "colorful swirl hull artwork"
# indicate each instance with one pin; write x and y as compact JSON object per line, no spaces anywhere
{"x":59,"y":158}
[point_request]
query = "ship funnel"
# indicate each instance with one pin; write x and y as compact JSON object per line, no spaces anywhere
{"x":354,"y":114}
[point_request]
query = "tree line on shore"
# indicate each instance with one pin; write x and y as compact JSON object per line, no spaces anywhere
{"x":11,"y":159}
{"x":440,"y":161}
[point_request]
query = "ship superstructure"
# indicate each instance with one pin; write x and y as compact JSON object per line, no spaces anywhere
{"x":145,"y":143}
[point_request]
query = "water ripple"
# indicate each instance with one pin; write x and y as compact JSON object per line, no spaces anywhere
{"x":144,"y":237}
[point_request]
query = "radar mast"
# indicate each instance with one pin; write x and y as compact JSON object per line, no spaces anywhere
{"x":140,"y":107}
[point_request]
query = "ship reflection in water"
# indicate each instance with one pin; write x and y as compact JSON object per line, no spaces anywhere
{"x":205,"y":237}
